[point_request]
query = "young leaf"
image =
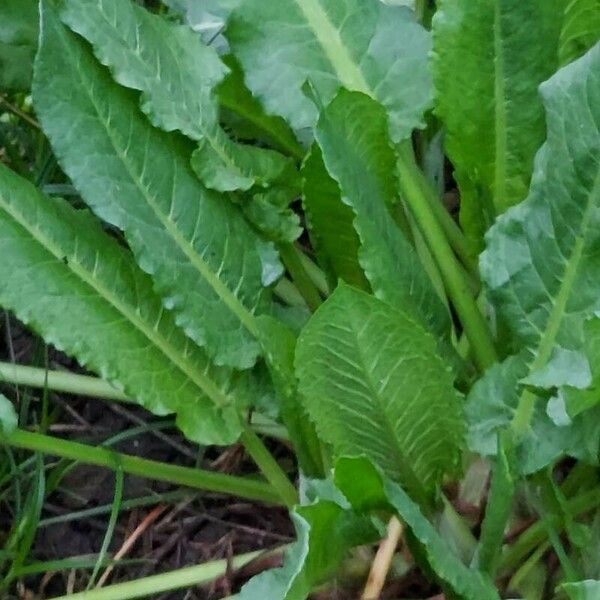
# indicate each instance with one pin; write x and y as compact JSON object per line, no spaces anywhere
{"x":330,"y":223}
{"x":362,"y":161}
{"x":176,"y":74}
{"x":541,"y":256}
{"x":206,"y":261}
{"x":581,"y":29}
{"x":489,"y":58}
{"x":374,"y":384}
{"x":8,"y":416}
{"x":325,"y":532}
{"x":18,"y":41}
{"x":81,"y":290}
{"x":367,"y":489}
{"x":362,"y":45}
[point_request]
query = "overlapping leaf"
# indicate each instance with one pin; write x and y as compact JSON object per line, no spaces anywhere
{"x":374,"y":384}
{"x":489,"y":59}
{"x":363,"y":45}
{"x":77,"y":287}
{"x":542,"y":256}
{"x":352,"y":133}
{"x":581,"y":29}
{"x":207,"y":263}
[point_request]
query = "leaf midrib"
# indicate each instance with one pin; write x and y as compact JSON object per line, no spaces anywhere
{"x":330,"y":41}
{"x":230,"y":300}
{"x":500,"y":113}
{"x":82,"y":274}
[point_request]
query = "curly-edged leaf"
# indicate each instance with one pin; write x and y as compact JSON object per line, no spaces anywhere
{"x":325,"y":533}
{"x":581,"y":29}
{"x":18,"y":41}
{"x":489,"y":57}
{"x":367,"y":489}
{"x":588,"y":589}
{"x":8,"y":416}
{"x":542,"y":256}
{"x":374,"y":384}
{"x":492,"y":405}
{"x":81,"y":290}
{"x":177,"y":75}
{"x":330,"y":223}
{"x":353,"y":135}
{"x":361,"y":45}
{"x":250,"y":121}
{"x":206,"y":261}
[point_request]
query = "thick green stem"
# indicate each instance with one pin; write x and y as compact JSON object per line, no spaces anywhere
{"x":473,"y":322}
{"x":269,"y":467}
{"x":103,"y":457}
{"x":166,"y":582}
{"x":292,"y":260}
{"x":84,"y":385}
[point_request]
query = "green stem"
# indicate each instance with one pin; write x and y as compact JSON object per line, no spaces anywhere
{"x":292,"y":260}
{"x":269,"y":467}
{"x":93,"y":387}
{"x":166,"y":582}
{"x":315,"y":273}
{"x":285,"y":290}
{"x":475,"y":326}
{"x":103,"y":457}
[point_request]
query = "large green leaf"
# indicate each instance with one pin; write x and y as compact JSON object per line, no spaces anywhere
{"x":374,"y":384}
{"x":206,"y":261}
{"x":581,"y":29}
{"x":543,"y":255}
{"x":18,"y":41}
{"x":80,"y":289}
{"x":8,"y":416}
{"x":367,"y":490}
{"x":362,"y":45}
{"x":330,"y":223}
{"x":353,"y":135}
{"x":489,"y":58}
{"x":177,"y":75}
{"x":582,"y":590}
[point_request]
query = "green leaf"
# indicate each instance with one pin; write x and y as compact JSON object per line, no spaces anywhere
{"x":18,"y":41}
{"x":206,"y":262}
{"x":325,"y":532}
{"x":81,"y":290}
{"x":252,"y":122}
{"x":362,"y":161}
{"x":367,"y":489}
{"x":374,"y":384}
{"x":177,"y":75}
{"x":8,"y":416}
{"x":582,"y":590}
{"x":362,"y":45}
{"x":541,"y":255}
{"x":581,"y":29}
{"x":489,"y":58}
{"x":330,"y":223}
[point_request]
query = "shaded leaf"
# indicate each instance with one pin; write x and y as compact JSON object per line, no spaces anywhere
{"x":488,"y":61}
{"x":206,"y":262}
{"x":367,"y":489}
{"x":353,"y":135}
{"x":373,"y":383}
{"x":581,"y":29}
{"x":361,"y":45}
{"x":60,"y":268}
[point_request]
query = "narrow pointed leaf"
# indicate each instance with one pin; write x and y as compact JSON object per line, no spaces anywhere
{"x":331,"y":223}
{"x":177,"y":75}
{"x":362,"y":45}
{"x":77,"y":287}
{"x":206,"y":261}
{"x":367,"y":489}
{"x":374,"y":384}
{"x":362,"y":161}
{"x":542,"y":256}
{"x":488,"y":61}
